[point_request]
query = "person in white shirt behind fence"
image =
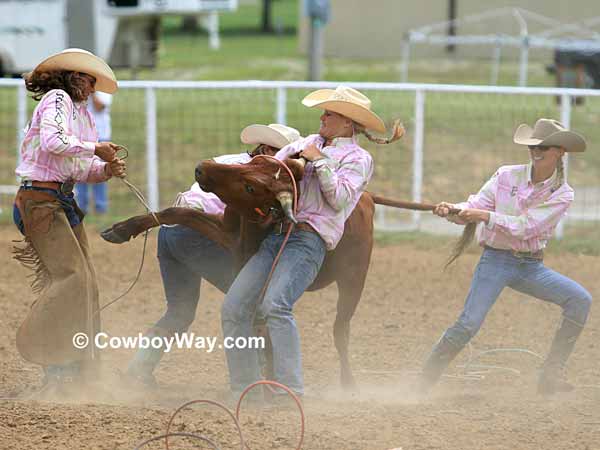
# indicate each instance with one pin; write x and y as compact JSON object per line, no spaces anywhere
{"x":98,"y":106}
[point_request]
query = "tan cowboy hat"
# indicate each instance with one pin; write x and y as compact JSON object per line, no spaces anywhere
{"x":78,"y":60}
{"x":349,"y":103}
{"x":275,"y":135}
{"x":549,"y":132}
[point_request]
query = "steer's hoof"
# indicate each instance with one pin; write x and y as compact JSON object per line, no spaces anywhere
{"x":111,"y":235}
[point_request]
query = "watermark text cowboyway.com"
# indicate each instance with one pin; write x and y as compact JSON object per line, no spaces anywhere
{"x":187,"y":341}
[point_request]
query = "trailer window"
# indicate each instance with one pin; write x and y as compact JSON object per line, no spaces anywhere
{"x":123,"y":3}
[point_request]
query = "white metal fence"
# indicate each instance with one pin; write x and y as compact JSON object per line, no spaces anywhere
{"x":457,"y":136}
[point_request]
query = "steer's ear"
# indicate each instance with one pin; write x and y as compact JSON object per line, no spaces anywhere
{"x":297,"y":167}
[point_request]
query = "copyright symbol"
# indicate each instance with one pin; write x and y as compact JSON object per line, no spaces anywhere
{"x":80,"y":341}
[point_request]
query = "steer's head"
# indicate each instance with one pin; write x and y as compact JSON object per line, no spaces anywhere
{"x":254,"y":188}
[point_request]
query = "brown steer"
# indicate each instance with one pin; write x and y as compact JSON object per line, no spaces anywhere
{"x":257,"y":193}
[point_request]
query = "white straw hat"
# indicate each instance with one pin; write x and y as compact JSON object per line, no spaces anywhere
{"x":551,"y":133}
{"x":349,"y":103}
{"x":274,"y":135}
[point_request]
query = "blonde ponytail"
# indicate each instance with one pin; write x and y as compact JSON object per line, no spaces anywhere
{"x":464,"y":241}
{"x":397,"y":132}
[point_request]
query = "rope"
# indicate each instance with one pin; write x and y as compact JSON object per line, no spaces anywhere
{"x":190,"y":435}
{"x":137,"y":277}
{"x":268,"y":384}
{"x":234,"y":417}
{"x":499,"y":350}
{"x":288,"y":232}
{"x":210,"y":402}
{"x":133,"y":188}
{"x":144,"y":202}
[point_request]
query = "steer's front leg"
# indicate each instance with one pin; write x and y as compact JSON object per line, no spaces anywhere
{"x":209,"y":225}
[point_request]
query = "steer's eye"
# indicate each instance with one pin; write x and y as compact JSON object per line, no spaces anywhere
{"x":249,"y":189}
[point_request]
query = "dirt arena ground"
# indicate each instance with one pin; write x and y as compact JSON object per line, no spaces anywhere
{"x":407,"y":304}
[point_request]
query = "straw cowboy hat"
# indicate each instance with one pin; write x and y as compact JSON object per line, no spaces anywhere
{"x":274,"y":135}
{"x":549,"y":132}
{"x":349,"y":103}
{"x":78,"y":60}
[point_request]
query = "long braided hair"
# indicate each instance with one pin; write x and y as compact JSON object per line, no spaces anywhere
{"x":397,"y":132}
{"x":469,"y":232}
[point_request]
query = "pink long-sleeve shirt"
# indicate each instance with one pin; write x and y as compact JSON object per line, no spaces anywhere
{"x":208,"y":202}
{"x":332,"y":186}
{"x":523,"y":215}
{"x":59,"y":142}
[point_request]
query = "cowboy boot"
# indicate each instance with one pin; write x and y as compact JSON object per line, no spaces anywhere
{"x":441,"y":356}
{"x":552,"y":378}
{"x":145,"y":360}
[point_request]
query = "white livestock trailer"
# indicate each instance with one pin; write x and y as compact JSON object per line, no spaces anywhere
{"x":123,"y":32}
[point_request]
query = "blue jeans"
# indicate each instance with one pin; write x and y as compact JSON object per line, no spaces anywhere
{"x":185,"y":257}
{"x":297,"y":268}
{"x":100,"y":192}
{"x":500,"y":268}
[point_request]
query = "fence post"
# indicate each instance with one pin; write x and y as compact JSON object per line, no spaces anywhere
{"x":151,"y":149}
{"x":565,"y":118}
{"x":523,"y":64}
{"x":21,"y":118}
{"x":281,"y":113}
{"x":214,"y":40}
{"x":417,"y":184}
{"x":405,"y":60}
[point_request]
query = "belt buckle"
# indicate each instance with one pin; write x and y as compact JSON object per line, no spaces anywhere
{"x":27,"y":183}
{"x":66,"y":188}
{"x":526,"y":255}
{"x":520,"y":255}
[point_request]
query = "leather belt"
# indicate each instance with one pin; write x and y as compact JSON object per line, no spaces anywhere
{"x":281,"y":227}
{"x":65,"y":188}
{"x":43,"y":184}
{"x":303,"y":226}
{"x":539,"y":254}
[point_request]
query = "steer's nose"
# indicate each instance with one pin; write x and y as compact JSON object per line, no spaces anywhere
{"x":198,"y":172}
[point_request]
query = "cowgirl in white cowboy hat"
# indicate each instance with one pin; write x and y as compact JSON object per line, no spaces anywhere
{"x":519,"y":208}
{"x":335,"y":176}
{"x":60,"y":148}
{"x":186,"y":257}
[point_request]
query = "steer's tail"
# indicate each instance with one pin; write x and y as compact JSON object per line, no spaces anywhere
{"x":459,"y":247}
{"x":379,"y":200}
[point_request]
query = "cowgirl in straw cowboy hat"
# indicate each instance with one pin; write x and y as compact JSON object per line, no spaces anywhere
{"x":519,"y":208}
{"x":335,"y":176}
{"x":60,"y":148}
{"x":186,"y":257}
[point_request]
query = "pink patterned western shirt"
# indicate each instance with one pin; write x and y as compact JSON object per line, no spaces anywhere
{"x":59,"y":142}
{"x":332,"y":186}
{"x":523,"y":214}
